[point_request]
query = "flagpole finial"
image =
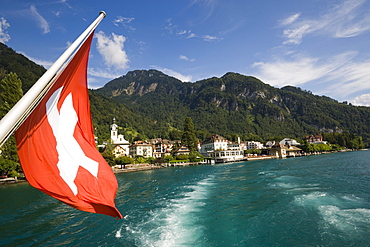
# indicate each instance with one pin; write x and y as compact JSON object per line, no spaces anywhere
{"x":103,"y":12}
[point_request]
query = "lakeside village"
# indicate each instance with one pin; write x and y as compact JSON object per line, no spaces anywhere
{"x":158,"y":153}
{"x":124,"y":156}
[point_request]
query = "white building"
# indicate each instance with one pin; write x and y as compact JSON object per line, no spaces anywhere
{"x":141,"y":148}
{"x":162,"y":147}
{"x":224,"y":156}
{"x":121,"y":146}
{"x":213,"y":143}
{"x":253,"y":145}
{"x":290,"y":142}
{"x":270,"y":144}
{"x":221,"y":150}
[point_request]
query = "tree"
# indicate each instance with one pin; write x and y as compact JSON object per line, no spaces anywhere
{"x":189,"y":139}
{"x":253,"y":151}
{"x":9,"y":168}
{"x":10,"y":92}
{"x":195,"y":156}
{"x":150,"y":160}
{"x":175,"y":134}
{"x":108,"y":155}
{"x":140,"y":160}
{"x":123,"y":161}
{"x":9,"y":150}
{"x":168,"y":158}
{"x":182,"y":157}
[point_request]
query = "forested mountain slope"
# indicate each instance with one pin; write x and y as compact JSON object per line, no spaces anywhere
{"x":150,"y":104}
{"x":233,"y":105}
{"x":27,"y":71}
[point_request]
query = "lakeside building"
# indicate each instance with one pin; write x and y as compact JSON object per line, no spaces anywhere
{"x":315,"y":139}
{"x":254,"y":145}
{"x":270,"y":144}
{"x":290,"y":142}
{"x":224,"y":156}
{"x":141,"y":148}
{"x":221,"y":150}
{"x":121,"y":145}
{"x":215,"y":146}
{"x":283,"y":151}
{"x":181,"y":150}
{"x":162,"y":147}
{"x":212,"y":143}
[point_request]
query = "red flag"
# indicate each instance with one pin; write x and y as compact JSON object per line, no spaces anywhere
{"x":56,"y":144}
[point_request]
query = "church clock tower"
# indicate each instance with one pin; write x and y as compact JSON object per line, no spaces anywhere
{"x":114,"y":130}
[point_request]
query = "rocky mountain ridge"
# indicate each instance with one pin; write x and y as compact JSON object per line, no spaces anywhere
{"x":234,"y":103}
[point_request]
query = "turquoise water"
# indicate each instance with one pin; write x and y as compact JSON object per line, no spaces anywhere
{"x":309,"y":201}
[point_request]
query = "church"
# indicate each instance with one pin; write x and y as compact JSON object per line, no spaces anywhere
{"x":121,"y":145}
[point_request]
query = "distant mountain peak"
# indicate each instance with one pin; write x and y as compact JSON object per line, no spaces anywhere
{"x":148,"y":73}
{"x":232,"y":103}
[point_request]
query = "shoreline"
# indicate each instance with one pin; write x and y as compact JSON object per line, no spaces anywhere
{"x":146,"y":167}
{"x":5,"y":181}
{"x":135,"y":168}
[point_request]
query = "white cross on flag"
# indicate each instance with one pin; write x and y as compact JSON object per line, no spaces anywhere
{"x":56,"y":144}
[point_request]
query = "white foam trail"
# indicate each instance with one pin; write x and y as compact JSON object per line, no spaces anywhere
{"x":347,"y":220}
{"x":175,"y":222}
{"x":343,"y":213}
{"x":180,"y":225}
{"x":118,"y":233}
{"x":289,"y":184}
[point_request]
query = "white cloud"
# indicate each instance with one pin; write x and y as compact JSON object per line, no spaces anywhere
{"x":290,"y":19}
{"x":295,"y":71}
{"x":338,"y":76}
{"x":362,"y":100}
{"x":210,"y":38}
{"x":191,"y":35}
{"x":175,"y":74}
{"x":102,"y":74}
{"x":97,"y":77}
{"x":188,"y":33}
{"x":183,"y":57}
{"x":44,"y":63}
{"x":295,"y":36}
{"x":111,"y":49}
{"x":208,"y":7}
{"x":41,"y":21}
{"x":351,"y":78}
{"x":182,"y":32}
{"x":124,"y":21}
{"x":4,"y":36}
{"x":170,"y":26}
{"x":66,"y":4}
{"x":348,"y":19}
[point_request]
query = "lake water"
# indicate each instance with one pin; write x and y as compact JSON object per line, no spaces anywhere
{"x":308,"y":201}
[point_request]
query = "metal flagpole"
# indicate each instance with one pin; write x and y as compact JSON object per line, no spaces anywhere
{"x":23,"y":108}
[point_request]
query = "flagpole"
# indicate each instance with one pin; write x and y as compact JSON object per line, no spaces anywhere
{"x":23,"y":108}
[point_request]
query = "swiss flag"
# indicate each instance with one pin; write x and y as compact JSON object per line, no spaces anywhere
{"x":56,"y":144}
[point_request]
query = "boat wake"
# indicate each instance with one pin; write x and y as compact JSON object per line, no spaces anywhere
{"x":176,"y":223}
{"x":344,"y":213}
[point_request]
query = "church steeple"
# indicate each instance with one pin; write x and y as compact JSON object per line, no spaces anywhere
{"x":114,"y":130}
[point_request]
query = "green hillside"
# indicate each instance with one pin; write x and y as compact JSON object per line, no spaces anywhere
{"x":27,"y":71}
{"x":233,"y":105}
{"x":150,"y":104}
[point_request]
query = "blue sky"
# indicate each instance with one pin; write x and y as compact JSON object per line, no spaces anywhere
{"x":318,"y":45}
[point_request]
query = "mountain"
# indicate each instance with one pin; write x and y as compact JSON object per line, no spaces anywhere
{"x":27,"y":71}
{"x":150,"y":104}
{"x":232,"y":105}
